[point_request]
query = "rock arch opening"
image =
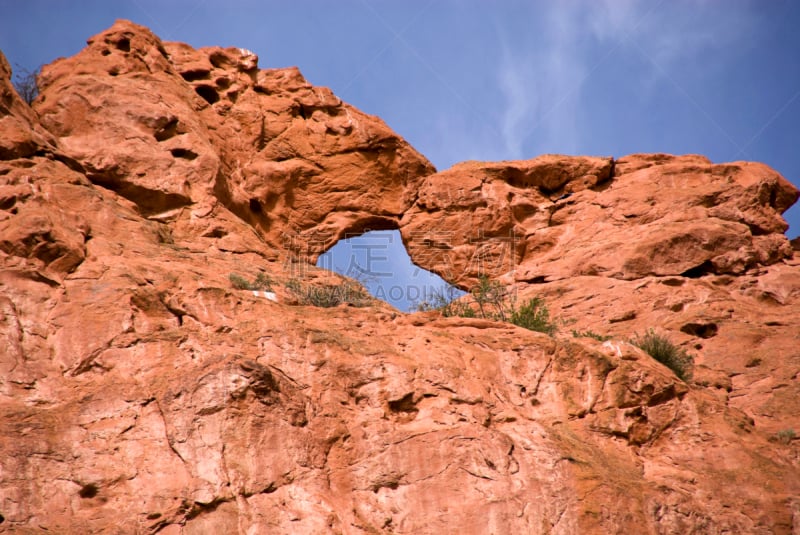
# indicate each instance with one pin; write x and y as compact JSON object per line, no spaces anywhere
{"x":379,"y":260}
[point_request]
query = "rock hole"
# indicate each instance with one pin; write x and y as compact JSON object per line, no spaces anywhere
{"x":255,"y":206}
{"x":701,"y":330}
{"x":215,"y":233}
{"x":696,"y":272}
{"x":404,"y":404}
{"x":186,"y":154}
{"x":194,"y":75}
{"x":124,"y":44}
{"x":220,"y":60}
{"x":2,"y":519}
{"x":208,"y":93}
{"x":88,"y":491}
{"x":8,"y":202}
{"x":378,"y":259}
{"x":167,"y":131}
{"x":105,"y":52}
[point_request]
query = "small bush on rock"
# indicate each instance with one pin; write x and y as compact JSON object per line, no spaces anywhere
{"x":491,"y":300}
{"x":328,"y":295}
{"x":262,"y":282}
{"x":660,"y":348}
{"x":26,"y":83}
{"x":534,"y":316}
{"x":590,"y":334}
{"x":784,"y":436}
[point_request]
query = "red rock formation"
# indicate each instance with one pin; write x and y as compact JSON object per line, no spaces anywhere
{"x":142,"y":393}
{"x":556,"y":217}
{"x":169,"y":127}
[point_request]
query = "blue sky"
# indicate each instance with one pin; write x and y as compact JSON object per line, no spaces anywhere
{"x":494,"y":80}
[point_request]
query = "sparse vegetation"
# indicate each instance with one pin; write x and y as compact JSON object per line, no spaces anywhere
{"x":660,"y":348}
{"x":534,"y":316}
{"x":448,"y":307}
{"x":262,"y":282}
{"x":590,"y":334}
{"x":328,"y":295}
{"x":26,"y":84}
{"x":785,"y":436}
{"x":491,"y":300}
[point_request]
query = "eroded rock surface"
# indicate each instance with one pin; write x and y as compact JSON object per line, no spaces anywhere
{"x":555,"y":217}
{"x":143,"y":393}
{"x":169,"y":127}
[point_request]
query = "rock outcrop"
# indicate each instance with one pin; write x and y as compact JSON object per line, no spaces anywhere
{"x":556,"y":217}
{"x":169,"y":127}
{"x":143,"y":393}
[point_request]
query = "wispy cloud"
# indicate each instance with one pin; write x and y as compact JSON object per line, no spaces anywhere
{"x":543,"y":80}
{"x":538,"y":80}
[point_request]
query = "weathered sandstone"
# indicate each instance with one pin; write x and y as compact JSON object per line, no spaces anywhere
{"x":143,"y":393}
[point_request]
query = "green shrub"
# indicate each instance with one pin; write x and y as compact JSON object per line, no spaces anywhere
{"x":534,"y":316}
{"x":493,"y":301}
{"x":491,"y":298}
{"x":590,"y":334}
{"x":660,"y":348}
{"x":325,"y":296}
{"x":784,"y":436}
{"x":262,"y":282}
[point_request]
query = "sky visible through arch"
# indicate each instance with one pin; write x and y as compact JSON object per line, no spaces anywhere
{"x":499,"y":80}
{"x":379,"y":260}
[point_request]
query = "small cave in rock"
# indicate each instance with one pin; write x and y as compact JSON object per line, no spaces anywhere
{"x":220,"y":60}
{"x":701,"y":330}
{"x":379,"y":260}
{"x":124,"y":44}
{"x":223,"y":82}
{"x":88,"y":491}
{"x":404,"y":404}
{"x":194,"y":75}
{"x":255,"y":206}
{"x":696,"y":272}
{"x":186,"y":154}
{"x":208,"y":93}
{"x":167,"y":131}
{"x":301,"y":111}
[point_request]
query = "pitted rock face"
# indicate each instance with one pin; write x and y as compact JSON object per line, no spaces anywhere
{"x":169,"y":127}
{"x":143,"y":392}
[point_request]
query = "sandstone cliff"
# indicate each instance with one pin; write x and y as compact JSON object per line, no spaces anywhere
{"x":142,"y":392}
